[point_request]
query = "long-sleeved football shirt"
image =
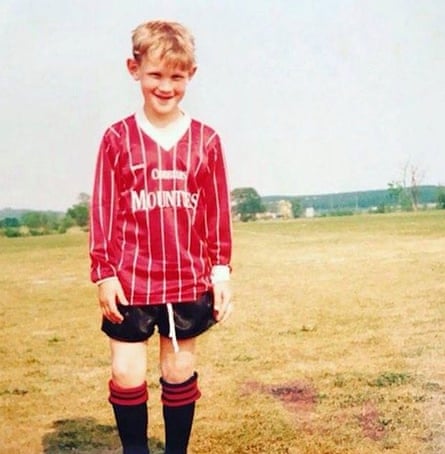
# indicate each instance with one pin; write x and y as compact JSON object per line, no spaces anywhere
{"x":160,"y":217}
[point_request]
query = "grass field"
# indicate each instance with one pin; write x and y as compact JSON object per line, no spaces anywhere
{"x":336,"y":346}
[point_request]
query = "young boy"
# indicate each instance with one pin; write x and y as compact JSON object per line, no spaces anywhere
{"x":160,"y":239}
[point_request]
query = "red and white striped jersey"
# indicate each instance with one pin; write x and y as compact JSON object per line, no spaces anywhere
{"x":160,"y":218}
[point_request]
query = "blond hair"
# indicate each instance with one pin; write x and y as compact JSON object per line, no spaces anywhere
{"x":168,"y":41}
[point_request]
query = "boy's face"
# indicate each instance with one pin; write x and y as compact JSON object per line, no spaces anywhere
{"x":163,"y":88}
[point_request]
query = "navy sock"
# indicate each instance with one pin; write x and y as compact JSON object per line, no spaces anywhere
{"x":130,"y":411}
{"x":178,"y":411}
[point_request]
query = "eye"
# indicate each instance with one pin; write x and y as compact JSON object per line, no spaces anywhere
{"x":155,"y":75}
{"x":178,"y":77}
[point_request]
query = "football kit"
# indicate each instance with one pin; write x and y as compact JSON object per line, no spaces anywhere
{"x":160,"y":217}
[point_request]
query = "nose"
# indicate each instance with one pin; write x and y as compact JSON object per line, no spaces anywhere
{"x":165,"y":85}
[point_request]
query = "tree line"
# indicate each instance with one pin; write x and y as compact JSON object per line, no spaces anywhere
{"x":247,"y":205}
{"x":35,"y":223}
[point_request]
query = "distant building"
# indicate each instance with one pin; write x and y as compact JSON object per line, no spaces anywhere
{"x":309,"y":212}
{"x":284,"y":209}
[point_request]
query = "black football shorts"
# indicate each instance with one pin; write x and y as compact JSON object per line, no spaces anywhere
{"x":191,"y":319}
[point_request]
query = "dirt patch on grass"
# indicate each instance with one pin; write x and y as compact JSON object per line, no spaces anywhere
{"x":298,"y":397}
{"x":370,"y":422}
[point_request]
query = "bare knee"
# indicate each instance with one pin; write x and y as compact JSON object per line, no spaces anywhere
{"x":177,"y":367}
{"x":128,"y":364}
{"x":126,"y":374}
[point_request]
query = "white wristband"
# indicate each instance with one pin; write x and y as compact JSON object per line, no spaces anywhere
{"x":220,"y":273}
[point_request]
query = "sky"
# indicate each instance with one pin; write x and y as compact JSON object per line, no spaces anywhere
{"x":309,"y":97}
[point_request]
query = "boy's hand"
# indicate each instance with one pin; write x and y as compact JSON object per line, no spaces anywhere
{"x":222,"y":295}
{"x":110,"y":292}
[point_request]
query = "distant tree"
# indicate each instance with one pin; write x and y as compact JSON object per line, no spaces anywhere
{"x":40,"y":222}
{"x":399,"y":196}
{"x":395,"y":190}
{"x":36,"y":220}
{"x":247,"y":203}
{"x":84,"y":198}
{"x":416,"y":177}
{"x":9,"y":222}
{"x":441,"y":198}
{"x":12,"y":232}
{"x":79,"y":212}
{"x":404,"y":194}
{"x":66,"y":223}
{"x":297,"y":208}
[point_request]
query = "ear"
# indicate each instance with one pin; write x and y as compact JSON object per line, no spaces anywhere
{"x":192,"y":72}
{"x":133,"y":68}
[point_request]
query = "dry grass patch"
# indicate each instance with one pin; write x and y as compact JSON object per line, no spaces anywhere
{"x":337,"y":344}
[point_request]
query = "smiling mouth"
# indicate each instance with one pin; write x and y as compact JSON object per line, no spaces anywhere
{"x":164,"y":98}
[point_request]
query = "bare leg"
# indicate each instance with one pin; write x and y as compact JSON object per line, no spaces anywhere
{"x":128,"y":394}
{"x":177,"y":367}
{"x":179,"y":393}
{"x":128,"y":363}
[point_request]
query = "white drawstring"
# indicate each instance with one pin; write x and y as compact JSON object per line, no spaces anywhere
{"x":172,"y":329}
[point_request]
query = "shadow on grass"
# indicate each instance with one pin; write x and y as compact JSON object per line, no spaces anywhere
{"x":86,"y":436}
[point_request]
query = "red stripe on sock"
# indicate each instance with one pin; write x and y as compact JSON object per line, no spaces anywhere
{"x":127,"y":396}
{"x":177,"y":395}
